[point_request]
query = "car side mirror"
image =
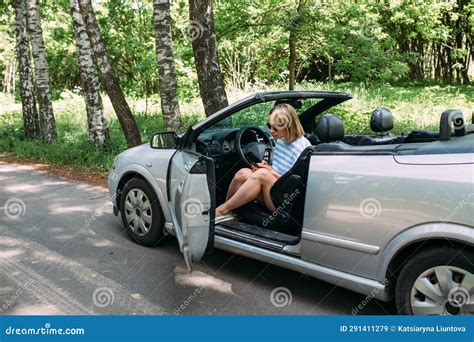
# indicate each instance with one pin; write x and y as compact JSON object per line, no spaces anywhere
{"x":164,"y":140}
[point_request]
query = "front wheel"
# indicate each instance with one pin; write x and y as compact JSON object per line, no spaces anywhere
{"x":437,"y":281}
{"x":141,"y":213}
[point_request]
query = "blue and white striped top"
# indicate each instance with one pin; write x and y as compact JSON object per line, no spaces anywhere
{"x":285,"y":155}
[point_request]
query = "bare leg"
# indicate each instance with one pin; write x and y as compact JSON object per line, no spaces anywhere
{"x":239,"y":178}
{"x":260,"y":180}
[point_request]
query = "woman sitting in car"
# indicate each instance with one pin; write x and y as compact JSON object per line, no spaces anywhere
{"x":255,"y":183}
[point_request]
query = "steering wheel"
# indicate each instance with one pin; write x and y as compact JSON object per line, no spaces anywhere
{"x":255,"y":151}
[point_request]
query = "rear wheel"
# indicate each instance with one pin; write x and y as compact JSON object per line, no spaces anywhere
{"x":437,"y":281}
{"x":141,"y":213}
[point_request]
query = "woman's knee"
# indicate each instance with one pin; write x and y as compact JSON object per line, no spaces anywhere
{"x":243,"y":174}
{"x":261,"y":174}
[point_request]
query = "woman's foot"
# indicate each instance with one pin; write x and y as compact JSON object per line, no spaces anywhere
{"x":223,"y":215}
{"x":220,"y":211}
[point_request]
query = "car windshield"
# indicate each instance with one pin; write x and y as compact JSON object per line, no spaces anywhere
{"x":257,"y":114}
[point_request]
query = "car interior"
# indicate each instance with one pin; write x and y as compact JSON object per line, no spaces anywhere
{"x":240,"y":143}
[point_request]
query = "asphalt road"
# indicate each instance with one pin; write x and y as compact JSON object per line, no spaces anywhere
{"x":62,"y":251}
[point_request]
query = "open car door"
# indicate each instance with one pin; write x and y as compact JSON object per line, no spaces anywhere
{"x":191,"y":200}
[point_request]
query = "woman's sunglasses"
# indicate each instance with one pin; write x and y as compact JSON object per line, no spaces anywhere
{"x":270,"y":126}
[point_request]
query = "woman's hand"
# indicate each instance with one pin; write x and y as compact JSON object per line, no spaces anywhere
{"x":264,"y":165}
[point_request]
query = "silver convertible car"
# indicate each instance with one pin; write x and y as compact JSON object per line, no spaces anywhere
{"x":388,"y":216}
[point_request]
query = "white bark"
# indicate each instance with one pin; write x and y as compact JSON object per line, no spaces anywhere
{"x":111,"y":83}
{"x":165,"y":63}
{"x":98,"y":132}
{"x":43,"y":93}
{"x":28,"y":102}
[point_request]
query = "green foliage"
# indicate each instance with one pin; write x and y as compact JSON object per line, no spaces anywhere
{"x":364,"y":41}
{"x":415,"y":106}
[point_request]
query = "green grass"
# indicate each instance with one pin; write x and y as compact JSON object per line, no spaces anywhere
{"x":415,"y":106}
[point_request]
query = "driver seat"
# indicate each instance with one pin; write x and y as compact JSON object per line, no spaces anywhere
{"x":288,"y":195}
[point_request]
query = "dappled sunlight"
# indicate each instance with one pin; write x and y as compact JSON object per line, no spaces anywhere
{"x":7,"y":241}
{"x":101,"y":242}
{"x":57,"y":209}
{"x":10,"y":254}
{"x":23,"y":188}
{"x":34,"y":310}
{"x":200,"y":279}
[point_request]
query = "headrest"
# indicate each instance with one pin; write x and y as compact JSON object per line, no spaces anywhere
{"x":381,"y":120}
{"x":329,"y":128}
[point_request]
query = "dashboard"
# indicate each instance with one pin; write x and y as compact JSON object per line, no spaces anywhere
{"x":219,"y":144}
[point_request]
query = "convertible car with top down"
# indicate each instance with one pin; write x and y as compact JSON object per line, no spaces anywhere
{"x":385,"y":215}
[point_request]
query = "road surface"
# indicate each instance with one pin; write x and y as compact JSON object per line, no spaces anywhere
{"x":63,"y":252}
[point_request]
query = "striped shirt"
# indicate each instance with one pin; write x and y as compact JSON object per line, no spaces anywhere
{"x":285,"y":155}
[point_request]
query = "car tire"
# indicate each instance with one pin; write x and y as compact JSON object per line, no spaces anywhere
{"x":141,"y":213}
{"x":421,"y":289}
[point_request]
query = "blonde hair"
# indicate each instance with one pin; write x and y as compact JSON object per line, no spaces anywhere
{"x":285,"y":117}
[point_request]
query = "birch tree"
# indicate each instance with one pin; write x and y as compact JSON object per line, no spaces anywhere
{"x":165,"y":63}
{"x":111,"y":83}
{"x":98,"y":132}
{"x":203,"y":37}
{"x":28,"y":102}
{"x":43,"y":93}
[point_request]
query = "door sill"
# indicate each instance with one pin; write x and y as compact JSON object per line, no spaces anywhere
{"x":255,"y":235}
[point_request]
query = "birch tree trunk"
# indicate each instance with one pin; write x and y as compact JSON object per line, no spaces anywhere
{"x":28,"y":102}
{"x":165,"y":63}
{"x":111,"y":83}
{"x":203,"y":37}
{"x":43,"y":93}
{"x":98,"y":132}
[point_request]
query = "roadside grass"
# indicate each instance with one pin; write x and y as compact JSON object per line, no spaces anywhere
{"x":414,"y":106}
